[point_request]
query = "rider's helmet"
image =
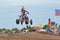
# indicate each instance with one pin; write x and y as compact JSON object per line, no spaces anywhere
{"x":22,"y":10}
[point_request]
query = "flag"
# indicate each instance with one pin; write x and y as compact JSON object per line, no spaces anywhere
{"x":57,"y":12}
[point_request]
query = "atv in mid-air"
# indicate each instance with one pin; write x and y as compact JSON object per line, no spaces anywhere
{"x":23,"y":19}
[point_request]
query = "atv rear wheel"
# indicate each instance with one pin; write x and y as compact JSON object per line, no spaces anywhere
{"x":21,"y":22}
{"x":26,"y":22}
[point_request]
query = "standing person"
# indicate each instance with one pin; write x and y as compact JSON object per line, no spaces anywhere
{"x":55,"y":29}
{"x":49,"y":26}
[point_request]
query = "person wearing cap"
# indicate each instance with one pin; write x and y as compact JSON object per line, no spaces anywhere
{"x":49,"y":26}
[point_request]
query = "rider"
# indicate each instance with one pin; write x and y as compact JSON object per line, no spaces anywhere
{"x":24,"y":12}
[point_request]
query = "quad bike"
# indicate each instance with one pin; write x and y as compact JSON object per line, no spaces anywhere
{"x":23,"y":19}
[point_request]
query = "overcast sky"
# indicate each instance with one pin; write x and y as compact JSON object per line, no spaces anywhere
{"x":40,"y":11}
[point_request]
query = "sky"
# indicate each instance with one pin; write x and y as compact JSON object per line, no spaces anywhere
{"x":40,"y":11}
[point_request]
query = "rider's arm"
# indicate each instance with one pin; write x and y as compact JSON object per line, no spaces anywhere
{"x":27,"y":12}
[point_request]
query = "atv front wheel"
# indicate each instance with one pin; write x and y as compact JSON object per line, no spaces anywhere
{"x":17,"y":21}
{"x":31,"y":22}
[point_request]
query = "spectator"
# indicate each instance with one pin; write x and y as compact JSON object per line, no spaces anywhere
{"x":55,"y":28}
{"x":49,"y":26}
